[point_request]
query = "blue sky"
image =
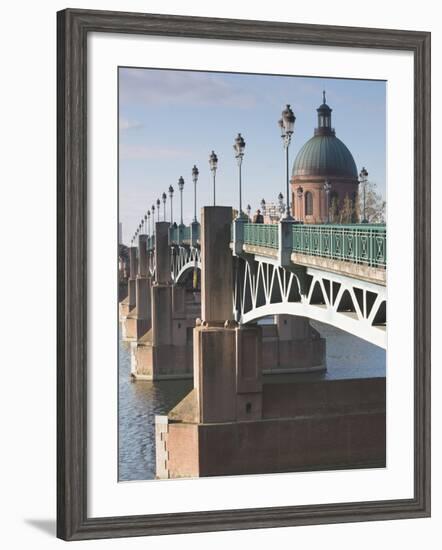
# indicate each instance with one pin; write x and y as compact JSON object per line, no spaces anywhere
{"x":171,"y":120}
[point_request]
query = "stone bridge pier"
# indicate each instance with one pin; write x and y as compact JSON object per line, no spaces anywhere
{"x":128,"y":304}
{"x":138,"y":319}
{"x":164,"y":350}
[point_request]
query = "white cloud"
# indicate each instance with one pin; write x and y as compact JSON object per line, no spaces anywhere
{"x":140,"y":152}
{"x":126,"y":124}
{"x":181,"y":87}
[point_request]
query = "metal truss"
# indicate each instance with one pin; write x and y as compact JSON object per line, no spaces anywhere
{"x":263,"y":288}
{"x":183,"y":258}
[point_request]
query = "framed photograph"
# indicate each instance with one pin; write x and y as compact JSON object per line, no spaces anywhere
{"x":236,"y":348}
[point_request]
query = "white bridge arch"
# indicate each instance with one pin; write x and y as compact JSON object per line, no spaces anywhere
{"x":182,"y":259}
{"x":263,"y":288}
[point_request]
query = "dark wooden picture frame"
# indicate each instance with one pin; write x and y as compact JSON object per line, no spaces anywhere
{"x":73,"y":28}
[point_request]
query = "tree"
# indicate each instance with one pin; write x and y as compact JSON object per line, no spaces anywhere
{"x":347,"y":212}
{"x":375,"y":204}
{"x":356,"y":209}
{"x":334,"y":206}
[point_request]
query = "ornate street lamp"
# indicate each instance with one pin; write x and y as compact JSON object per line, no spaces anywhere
{"x":327,"y":189}
{"x":239,"y":147}
{"x":142,"y":226}
{"x":281,"y":203}
{"x":146,"y":229}
{"x":299,"y":193}
{"x":195,"y":174}
{"x":148,"y":222}
{"x":363,"y":180}
{"x":171,"y":203}
{"x":249,"y":209}
{"x":158,"y":209}
{"x":164,"y":197}
{"x":287,"y":125}
{"x":181,"y":187}
{"x":213,"y":163}
{"x":153,"y":218}
{"x":263,"y":207}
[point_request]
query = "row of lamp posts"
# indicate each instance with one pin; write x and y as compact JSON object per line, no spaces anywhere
{"x":286,"y":124}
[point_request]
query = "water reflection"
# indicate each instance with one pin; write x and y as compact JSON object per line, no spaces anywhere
{"x":139,"y":402}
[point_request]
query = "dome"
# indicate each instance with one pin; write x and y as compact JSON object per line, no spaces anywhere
{"x":325,"y":155}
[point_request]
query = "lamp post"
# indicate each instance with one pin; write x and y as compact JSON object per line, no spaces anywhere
{"x":287,"y":125}
{"x":153,"y":219}
{"x":281,"y":203}
{"x":249,"y":209}
{"x":327,"y":189}
{"x":299,"y":193}
{"x":195,"y":174}
{"x":213,"y":163}
{"x":239,"y":147}
{"x":171,"y":203}
{"x":148,"y":222}
{"x":263,"y":207}
{"x":363,"y":180}
{"x":164,"y":197}
{"x":142,"y":226}
{"x":158,"y":209}
{"x":146,"y":229}
{"x":181,"y":187}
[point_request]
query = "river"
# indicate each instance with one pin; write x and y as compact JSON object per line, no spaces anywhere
{"x":139,"y":402}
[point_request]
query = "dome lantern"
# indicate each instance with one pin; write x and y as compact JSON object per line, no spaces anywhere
{"x":324,"y":119}
{"x":324,"y":154}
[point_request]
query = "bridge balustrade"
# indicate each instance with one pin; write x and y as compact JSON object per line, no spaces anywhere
{"x":258,"y":234}
{"x":357,"y":243}
{"x":183,"y":234}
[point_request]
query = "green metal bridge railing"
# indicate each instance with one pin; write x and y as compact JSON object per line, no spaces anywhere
{"x":259,"y":234}
{"x":186,"y":234}
{"x":357,"y":243}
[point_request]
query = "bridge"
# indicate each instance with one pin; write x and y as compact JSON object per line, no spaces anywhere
{"x":335,"y":274}
{"x":195,"y":295}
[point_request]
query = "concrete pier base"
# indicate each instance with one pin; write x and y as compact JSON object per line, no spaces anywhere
{"x":309,"y":424}
{"x":227,"y":373}
{"x":166,"y":350}
{"x":138,"y":321}
{"x":129,"y":302}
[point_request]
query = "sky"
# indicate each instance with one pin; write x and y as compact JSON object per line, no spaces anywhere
{"x":170,"y":120}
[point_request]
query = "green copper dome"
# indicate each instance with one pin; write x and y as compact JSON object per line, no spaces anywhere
{"x":325,"y":155}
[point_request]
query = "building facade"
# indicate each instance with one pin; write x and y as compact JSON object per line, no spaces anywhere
{"x":324,"y":162}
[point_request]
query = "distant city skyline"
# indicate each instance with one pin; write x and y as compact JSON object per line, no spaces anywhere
{"x":170,"y":120}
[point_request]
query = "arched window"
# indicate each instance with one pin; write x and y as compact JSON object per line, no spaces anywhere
{"x":308,"y":204}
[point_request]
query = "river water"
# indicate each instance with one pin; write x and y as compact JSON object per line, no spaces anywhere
{"x":139,"y":402}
